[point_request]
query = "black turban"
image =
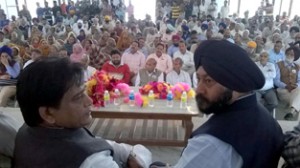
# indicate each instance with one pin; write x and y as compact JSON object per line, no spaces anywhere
{"x":229,"y":65}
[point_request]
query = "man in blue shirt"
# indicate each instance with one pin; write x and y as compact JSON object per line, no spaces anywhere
{"x":276,"y":54}
{"x":174,"y":47}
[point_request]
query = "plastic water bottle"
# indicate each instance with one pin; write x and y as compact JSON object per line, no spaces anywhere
{"x":106,"y":98}
{"x":117,"y":100}
{"x":131,"y":98}
{"x":151,"y":98}
{"x":183,"y":103}
{"x":170,"y":99}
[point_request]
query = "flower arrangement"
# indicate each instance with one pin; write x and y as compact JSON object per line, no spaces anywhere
{"x":179,"y":88}
{"x":141,"y":101}
{"x":160,"y":89}
{"x":101,"y":81}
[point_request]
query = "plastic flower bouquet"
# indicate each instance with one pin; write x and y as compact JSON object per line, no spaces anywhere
{"x":101,"y":81}
{"x":179,"y":88}
{"x":160,"y":89}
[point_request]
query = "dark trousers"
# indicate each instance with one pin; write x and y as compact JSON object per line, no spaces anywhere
{"x":268,"y":98}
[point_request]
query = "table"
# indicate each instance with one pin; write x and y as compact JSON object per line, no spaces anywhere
{"x":159,"y":125}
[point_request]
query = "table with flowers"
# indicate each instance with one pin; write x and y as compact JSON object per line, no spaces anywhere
{"x":160,"y":125}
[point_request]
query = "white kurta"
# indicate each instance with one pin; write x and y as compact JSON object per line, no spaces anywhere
{"x":104,"y":159}
{"x":188,"y":61}
{"x":173,"y":77}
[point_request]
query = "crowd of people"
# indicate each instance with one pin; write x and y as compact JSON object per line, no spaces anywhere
{"x":139,"y":51}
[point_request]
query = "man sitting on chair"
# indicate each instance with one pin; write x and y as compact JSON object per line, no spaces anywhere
{"x":56,"y":110}
{"x":116,"y":68}
{"x":178,"y":75}
{"x":149,"y":73}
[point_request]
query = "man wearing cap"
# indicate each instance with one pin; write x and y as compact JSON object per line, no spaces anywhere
{"x":9,"y":71}
{"x":251,"y":46}
{"x":108,"y":24}
{"x":240,"y":133}
{"x":287,"y":81}
{"x":77,"y":27}
{"x":174,"y":47}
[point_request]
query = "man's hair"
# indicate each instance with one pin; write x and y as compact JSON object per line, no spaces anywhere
{"x":294,"y":28}
{"x":135,"y":41}
{"x":153,"y":60}
{"x":160,"y":44}
{"x":183,"y":42}
{"x":44,"y":83}
{"x":178,"y":59}
{"x":278,"y":42}
{"x":295,"y":49}
{"x":194,"y":32}
{"x":113,"y":52}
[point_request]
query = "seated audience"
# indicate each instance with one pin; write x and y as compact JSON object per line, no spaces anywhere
{"x":251,"y":46}
{"x":288,"y":82}
{"x":87,"y":70}
{"x":55,"y":119}
{"x":10,"y":70}
{"x":35,"y":54}
{"x":175,"y":46}
{"x":187,"y":57}
{"x":164,"y":61}
{"x":276,"y":54}
{"x":267,"y":92}
{"x":77,"y":52}
{"x":63,"y":52}
{"x":178,"y":75}
{"x":149,"y":74}
{"x":116,"y":68}
{"x":135,"y":59}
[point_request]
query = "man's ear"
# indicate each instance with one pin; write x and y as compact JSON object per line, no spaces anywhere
{"x":46,"y":115}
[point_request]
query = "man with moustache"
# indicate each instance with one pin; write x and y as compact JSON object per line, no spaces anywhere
{"x":240,"y":133}
{"x":116,"y":68}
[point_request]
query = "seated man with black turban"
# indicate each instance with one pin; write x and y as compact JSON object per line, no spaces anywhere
{"x":240,"y":133}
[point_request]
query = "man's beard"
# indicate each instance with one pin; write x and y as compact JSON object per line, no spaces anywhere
{"x":116,"y":63}
{"x":217,"y":106}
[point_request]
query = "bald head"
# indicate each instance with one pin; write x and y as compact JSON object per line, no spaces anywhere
{"x":150,"y":64}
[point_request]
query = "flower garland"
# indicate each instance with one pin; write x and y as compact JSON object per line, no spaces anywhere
{"x":179,"y":88}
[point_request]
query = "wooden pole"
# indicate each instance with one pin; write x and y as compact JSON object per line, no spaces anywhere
{"x":290,"y":9}
{"x":17,"y":6}
{"x":239,"y":7}
{"x":280,"y":7}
